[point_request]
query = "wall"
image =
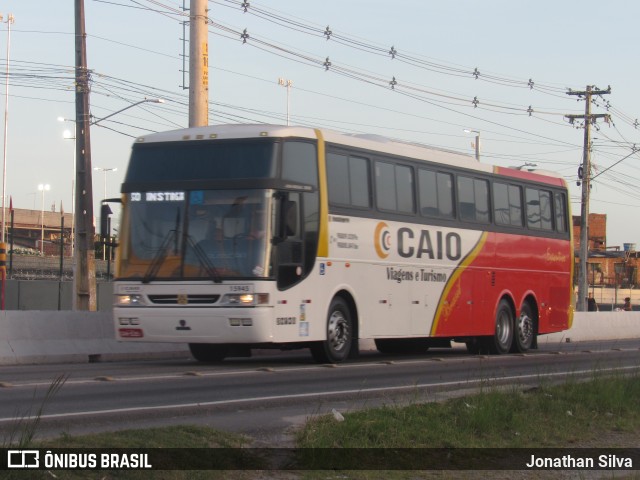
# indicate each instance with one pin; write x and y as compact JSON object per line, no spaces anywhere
{"x":82,"y":337}
{"x":51,"y":295}
{"x":55,"y":337}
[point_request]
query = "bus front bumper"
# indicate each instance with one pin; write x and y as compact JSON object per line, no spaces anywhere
{"x":177,"y":325}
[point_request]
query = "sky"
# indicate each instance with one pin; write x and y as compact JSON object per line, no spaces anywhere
{"x":418,"y":71}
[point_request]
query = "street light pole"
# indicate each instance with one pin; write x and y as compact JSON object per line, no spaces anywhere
{"x":43,"y":187}
{"x":105,"y":170}
{"x":9,"y":21}
{"x":288,"y":84}
{"x":477,"y":145}
{"x":146,"y":100}
{"x":67,"y":135}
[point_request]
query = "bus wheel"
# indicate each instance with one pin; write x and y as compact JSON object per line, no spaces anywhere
{"x":503,"y":335}
{"x":339,"y":335}
{"x":525,"y":330}
{"x":208,"y":352}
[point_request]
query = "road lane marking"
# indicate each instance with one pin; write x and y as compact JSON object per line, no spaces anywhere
{"x":316,"y":394}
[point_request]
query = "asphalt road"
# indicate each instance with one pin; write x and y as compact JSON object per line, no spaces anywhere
{"x":271,"y":393}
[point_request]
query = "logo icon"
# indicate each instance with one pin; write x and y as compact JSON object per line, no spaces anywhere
{"x":382,"y":240}
{"x":182,"y":325}
{"x":23,"y":459}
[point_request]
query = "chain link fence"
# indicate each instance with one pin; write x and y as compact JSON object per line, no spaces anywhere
{"x":31,"y":267}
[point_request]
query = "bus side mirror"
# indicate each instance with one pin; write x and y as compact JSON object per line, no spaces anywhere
{"x":286,"y":219}
{"x":105,"y":213}
{"x":290,"y":216}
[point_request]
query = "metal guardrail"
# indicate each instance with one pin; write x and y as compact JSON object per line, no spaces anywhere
{"x":31,"y":267}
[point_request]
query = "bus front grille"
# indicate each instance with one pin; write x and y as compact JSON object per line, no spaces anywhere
{"x":203,"y":299}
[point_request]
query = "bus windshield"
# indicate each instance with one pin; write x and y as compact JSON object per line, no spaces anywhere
{"x":199,"y":234}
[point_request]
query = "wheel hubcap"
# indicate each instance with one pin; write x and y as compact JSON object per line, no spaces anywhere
{"x":525,"y":328}
{"x":338,"y":331}
{"x":503,"y":329}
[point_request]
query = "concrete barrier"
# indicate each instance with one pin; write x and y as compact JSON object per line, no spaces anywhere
{"x":589,"y":326}
{"x":28,"y":337}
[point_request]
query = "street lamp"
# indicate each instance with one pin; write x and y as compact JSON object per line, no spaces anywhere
{"x":84,"y":284}
{"x":146,"y":100}
{"x":105,"y":170}
{"x":477,"y":143}
{"x":43,"y":188}
{"x":67,"y":135}
{"x":288,"y":84}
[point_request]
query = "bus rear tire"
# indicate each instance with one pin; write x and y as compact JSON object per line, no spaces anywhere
{"x":208,"y":352}
{"x":503,"y":333}
{"x":525,"y":330}
{"x":337,"y":346}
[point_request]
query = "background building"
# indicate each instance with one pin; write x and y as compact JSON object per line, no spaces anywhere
{"x":610,"y":266}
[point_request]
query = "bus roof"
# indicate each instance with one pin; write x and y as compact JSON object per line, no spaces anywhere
{"x":375,"y":143}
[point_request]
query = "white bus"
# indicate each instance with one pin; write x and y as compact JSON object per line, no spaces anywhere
{"x":238,"y":237}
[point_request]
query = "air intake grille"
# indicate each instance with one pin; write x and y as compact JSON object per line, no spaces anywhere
{"x":184,"y":299}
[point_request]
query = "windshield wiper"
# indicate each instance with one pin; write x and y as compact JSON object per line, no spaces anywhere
{"x":161,"y":254}
{"x":203,"y":258}
{"x":159,"y":257}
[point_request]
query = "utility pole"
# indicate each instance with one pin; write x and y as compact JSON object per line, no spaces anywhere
{"x":589,"y":118}
{"x":9,"y":22}
{"x":198,"y":64}
{"x":84,"y":275}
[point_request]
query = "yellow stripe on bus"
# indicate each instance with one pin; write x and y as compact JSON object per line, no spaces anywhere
{"x":323,"y":240}
{"x":454,"y":279}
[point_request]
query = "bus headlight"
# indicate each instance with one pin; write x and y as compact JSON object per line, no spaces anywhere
{"x":129,"y":300}
{"x":245,"y":299}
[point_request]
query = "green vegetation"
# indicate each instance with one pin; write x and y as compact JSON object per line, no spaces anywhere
{"x":571,"y":415}
{"x":25,"y":427}
{"x":603,"y":412}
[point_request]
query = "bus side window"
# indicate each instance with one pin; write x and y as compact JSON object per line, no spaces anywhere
{"x":394,"y":187}
{"x":473,"y":198}
{"x":561,"y":213}
{"x":436,"y":193}
{"x":507,"y":204}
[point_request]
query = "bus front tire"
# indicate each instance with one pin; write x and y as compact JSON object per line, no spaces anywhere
{"x":337,"y":346}
{"x":208,"y":352}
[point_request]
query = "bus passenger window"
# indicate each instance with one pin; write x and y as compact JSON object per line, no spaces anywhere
{"x":445,"y":194}
{"x":394,"y":187}
{"x":338,"y":179}
{"x":385,"y":186}
{"x":546,"y":220}
{"x":359,"y":182}
{"x":561,"y":213}
{"x":533,"y":208}
{"x":348,"y":179}
{"x":473,"y":198}
{"x":404,"y":189}
{"x":507,"y":204}
{"x":428,"y":193}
